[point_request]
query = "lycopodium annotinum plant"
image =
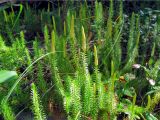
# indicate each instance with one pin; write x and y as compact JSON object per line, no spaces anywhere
{"x":37,"y":107}
{"x":84,"y":96}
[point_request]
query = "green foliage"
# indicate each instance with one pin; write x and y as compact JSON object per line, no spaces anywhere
{"x":37,"y":107}
{"x":155,"y":100}
{"x":15,"y":56}
{"x":40,"y":75}
{"x":132,"y":50}
{"x":99,"y":18}
{"x":72,"y":99}
{"x":7,"y":111}
{"x":7,"y":75}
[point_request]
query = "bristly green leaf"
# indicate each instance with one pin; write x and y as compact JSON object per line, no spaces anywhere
{"x":37,"y":107}
{"x":46,"y":39}
{"x":7,"y":111}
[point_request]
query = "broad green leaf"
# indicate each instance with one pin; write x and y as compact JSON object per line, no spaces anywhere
{"x":149,"y":116}
{"x":7,"y":75}
{"x":128,"y":92}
